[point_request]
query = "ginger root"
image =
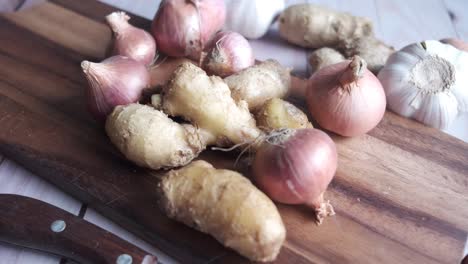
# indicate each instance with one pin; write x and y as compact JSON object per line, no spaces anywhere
{"x":277,"y":113}
{"x":259,"y":83}
{"x":150,"y":139}
{"x":313,"y":26}
{"x":372,"y":50}
{"x":225,"y":205}
{"x":323,"y":57}
{"x":206,"y":102}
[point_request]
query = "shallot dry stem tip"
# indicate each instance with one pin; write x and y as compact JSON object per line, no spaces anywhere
{"x":85,"y":65}
{"x":117,"y":21}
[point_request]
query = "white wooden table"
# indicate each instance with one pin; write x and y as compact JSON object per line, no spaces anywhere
{"x":397,"y":22}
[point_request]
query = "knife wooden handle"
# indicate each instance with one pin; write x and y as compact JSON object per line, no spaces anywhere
{"x":34,"y":224}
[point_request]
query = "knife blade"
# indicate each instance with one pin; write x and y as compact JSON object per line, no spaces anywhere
{"x":31,"y":223}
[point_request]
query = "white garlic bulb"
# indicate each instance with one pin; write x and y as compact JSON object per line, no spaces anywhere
{"x":251,"y":18}
{"x":427,"y":81}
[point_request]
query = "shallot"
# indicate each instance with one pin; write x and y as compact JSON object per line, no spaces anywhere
{"x":131,"y":41}
{"x":229,"y":53}
{"x":182,"y":28}
{"x":115,"y":81}
{"x":296,"y":166}
{"x":457,"y":43}
{"x":346,"y":98}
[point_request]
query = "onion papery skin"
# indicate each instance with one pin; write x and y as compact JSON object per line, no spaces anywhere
{"x":349,"y":108}
{"x":183,"y":28}
{"x":115,"y":81}
{"x":130,"y":41}
{"x":457,"y":43}
{"x":228,"y":53}
{"x":297,"y":167}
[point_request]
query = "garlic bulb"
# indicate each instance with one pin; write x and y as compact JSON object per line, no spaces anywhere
{"x":251,"y":18}
{"x":427,"y":81}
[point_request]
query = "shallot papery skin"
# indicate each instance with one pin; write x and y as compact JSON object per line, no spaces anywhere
{"x":182,"y":28}
{"x":228,"y":53}
{"x":115,"y":81}
{"x":296,"y":167}
{"x":457,"y":43}
{"x":131,"y":41}
{"x":346,"y":98}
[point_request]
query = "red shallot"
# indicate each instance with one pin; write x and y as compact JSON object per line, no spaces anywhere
{"x":183,"y":27}
{"x":346,"y":98}
{"x":457,"y":43}
{"x":228,"y":53}
{"x":115,"y":81}
{"x":131,"y":41}
{"x":295,"y":167}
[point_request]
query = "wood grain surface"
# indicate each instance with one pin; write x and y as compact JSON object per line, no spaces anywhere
{"x":400,"y":192}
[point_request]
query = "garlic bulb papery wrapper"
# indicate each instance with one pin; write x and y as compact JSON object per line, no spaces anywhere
{"x":428,"y":82}
{"x":182,"y":28}
{"x":228,"y":53}
{"x":252,"y":18}
{"x":131,"y":41}
{"x":115,"y":81}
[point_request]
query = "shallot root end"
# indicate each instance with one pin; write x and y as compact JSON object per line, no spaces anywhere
{"x":325,"y":209}
{"x":321,"y":208}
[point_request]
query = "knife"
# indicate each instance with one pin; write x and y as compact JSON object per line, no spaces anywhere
{"x":31,"y":223}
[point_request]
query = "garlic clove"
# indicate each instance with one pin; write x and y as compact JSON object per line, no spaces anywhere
{"x":460,"y":88}
{"x":461,"y":92}
{"x":439,"y":110}
{"x":402,"y":100}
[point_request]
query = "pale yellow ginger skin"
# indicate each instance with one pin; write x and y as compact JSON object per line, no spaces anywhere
{"x":227,"y":206}
{"x":259,"y":83}
{"x":372,"y":50}
{"x":206,"y":102}
{"x":277,"y":113}
{"x":314,"y":26}
{"x":323,"y":57}
{"x":149,"y":138}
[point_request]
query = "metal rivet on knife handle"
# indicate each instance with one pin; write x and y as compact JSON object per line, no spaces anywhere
{"x":58,"y":226}
{"x":124,"y":259}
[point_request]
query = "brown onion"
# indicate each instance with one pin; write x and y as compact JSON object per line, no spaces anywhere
{"x":228,"y":53}
{"x":183,"y":27}
{"x":457,"y":43}
{"x":115,"y":81}
{"x":296,"y":166}
{"x":131,"y":41}
{"x":346,"y":98}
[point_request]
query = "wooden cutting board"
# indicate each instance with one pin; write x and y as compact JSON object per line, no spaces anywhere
{"x":400,"y":192}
